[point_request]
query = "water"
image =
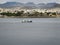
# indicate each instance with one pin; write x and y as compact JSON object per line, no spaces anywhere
{"x":42,"y":31}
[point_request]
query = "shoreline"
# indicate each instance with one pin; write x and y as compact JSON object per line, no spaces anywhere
{"x":54,"y":16}
{"x":29,"y":17}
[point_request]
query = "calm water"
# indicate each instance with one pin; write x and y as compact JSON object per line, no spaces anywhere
{"x":42,"y":31}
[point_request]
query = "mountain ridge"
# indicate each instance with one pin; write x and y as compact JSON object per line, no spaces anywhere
{"x":29,"y":4}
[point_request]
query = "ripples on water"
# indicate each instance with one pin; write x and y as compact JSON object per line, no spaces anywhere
{"x":42,"y":31}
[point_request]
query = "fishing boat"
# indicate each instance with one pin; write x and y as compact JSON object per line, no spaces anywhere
{"x":26,"y":21}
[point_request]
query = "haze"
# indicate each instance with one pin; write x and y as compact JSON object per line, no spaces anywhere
{"x":35,"y":1}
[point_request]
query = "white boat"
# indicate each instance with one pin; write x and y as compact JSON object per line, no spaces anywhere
{"x":26,"y":21}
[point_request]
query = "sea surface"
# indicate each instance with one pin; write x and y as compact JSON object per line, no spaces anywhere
{"x":42,"y":31}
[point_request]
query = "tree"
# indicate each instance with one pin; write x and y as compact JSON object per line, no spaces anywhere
{"x":54,"y":13}
{"x":19,"y":13}
{"x":35,"y":13}
{"x":41,"y":14}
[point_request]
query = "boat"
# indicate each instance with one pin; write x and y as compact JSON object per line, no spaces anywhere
{"x":26,"y":21}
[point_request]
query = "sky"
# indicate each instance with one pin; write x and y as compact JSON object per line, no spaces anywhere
{"x":35,"y":1}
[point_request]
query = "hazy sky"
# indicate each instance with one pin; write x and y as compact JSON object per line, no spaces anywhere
{"x":35,"y":1}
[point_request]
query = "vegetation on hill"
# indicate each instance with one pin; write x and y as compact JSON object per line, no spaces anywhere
{"x":28,"y":14}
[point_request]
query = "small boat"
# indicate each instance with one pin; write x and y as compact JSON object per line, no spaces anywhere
{"x":26,"y":21}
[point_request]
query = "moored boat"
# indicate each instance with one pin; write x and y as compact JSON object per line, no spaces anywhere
{"x":26,"y":21}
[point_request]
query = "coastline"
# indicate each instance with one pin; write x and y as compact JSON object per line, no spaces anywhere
{"x":30,"y":17}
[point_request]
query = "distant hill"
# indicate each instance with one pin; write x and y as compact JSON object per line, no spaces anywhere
{"x":11,"y":4}
{"x":52,"y":5}
{"x":29,"y":5}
